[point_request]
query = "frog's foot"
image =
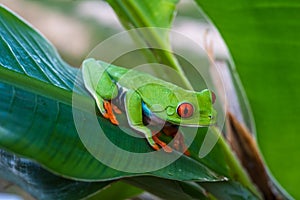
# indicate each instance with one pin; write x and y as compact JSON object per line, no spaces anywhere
{"x":179,"y":144}
{"x":187,"y":152}
{"x":163,"y":145}
{"x":155,"y":147}
{"x":116,"y":109}
{"x":109,"y":113}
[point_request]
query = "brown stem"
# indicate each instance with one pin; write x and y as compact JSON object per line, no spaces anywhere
{"x":245,"y":146}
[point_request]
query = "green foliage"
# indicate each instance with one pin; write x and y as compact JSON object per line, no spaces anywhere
{"x":117,"y":191}
{"x":36,"y":82}
{"x":42,"y":184}
{"x":263,"y":38}
{"x":135,"y":14}
{"x":41,"y":71}
{"x":39,"y":85}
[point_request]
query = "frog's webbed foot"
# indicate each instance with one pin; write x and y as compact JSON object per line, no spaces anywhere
{"x":109,"y":112}
{"x":163,"y":145}
{"x":179,"y":144}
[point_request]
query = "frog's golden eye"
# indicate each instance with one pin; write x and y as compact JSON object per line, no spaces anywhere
{"x":185,"y":110}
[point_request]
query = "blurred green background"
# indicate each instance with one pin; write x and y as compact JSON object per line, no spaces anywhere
{"x":75,"y":27}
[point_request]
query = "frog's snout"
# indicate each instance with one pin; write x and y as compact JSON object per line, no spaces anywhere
{"x":213,"y":117}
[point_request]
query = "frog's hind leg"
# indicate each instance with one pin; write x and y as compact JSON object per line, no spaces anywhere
{"x":163,"y":145}
{"x":179,"y":144}
{"x":101,"y":87}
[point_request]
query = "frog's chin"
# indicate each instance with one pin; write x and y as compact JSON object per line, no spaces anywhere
{"x":203,"y":123}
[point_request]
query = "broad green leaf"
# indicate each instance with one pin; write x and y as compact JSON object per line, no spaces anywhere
{"x":263,"y":38}
{"x":29,"y":61}
{"x":42,"y":184}
{"x":117,"y":191}
{"x":45,"y":131}
{"x":173,"y":190}
{"x":170,"y":189}
{"x":228,"y":191}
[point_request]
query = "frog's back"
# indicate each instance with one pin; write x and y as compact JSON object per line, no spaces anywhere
{"x":132,"y":79}
{"x":152,"y":90}
{"x":115,"y":72}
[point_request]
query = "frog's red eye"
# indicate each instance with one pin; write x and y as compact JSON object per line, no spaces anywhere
{"x":213,"y":97}
{"x":185,"y":110}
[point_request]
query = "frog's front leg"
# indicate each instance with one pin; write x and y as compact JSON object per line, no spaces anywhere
{"x":133,"y":105}
{"x":101,"y":87}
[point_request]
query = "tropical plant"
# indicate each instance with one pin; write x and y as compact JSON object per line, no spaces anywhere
{"x":43,"y":154}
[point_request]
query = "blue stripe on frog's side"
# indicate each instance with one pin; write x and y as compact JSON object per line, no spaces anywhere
{"x":146,"y":110}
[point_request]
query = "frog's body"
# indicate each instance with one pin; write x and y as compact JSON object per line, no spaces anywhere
{"x":143,"y":96}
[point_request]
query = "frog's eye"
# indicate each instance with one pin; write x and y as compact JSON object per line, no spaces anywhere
{"x":185,"y":110}
{"x":213,"y":97}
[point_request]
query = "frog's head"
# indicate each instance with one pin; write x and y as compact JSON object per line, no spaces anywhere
{"x":194,"y":109}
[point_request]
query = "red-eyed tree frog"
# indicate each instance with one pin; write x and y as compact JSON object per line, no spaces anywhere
{"x":147,"y":100}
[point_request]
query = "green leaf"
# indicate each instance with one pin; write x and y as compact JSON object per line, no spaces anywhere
{"x":150,"y":23}
{"x":117,"y":191}
{"x":141,"y":13}
{"x":45,"y":131}
{"x":42,"y":184}
{"x":173,"y":190}
{"x":263,"y":38}
{"x":228,"y":190}
{"x":29,"y":61}
{"x":170,"y":189}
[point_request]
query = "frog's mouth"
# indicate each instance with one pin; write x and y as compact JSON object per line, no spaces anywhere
{"x":205,"y":121}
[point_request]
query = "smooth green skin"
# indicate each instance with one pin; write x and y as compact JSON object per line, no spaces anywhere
{"x":161,"y":97}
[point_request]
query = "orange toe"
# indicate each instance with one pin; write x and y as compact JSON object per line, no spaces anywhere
{"x":163,"y":145}
{"x":114,"y":121}
{"x":109,"y":113}
{"x":155,"y":147}
{"x":187,"y":153}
